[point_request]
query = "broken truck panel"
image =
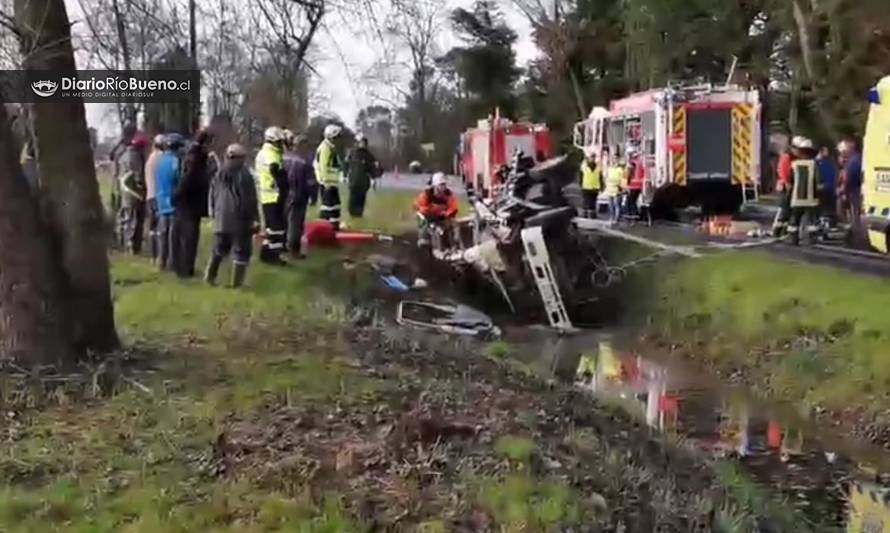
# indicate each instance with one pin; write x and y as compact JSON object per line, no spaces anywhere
{"x":455,"y":319}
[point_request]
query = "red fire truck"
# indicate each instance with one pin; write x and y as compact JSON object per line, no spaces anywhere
{"x":491,"y":144}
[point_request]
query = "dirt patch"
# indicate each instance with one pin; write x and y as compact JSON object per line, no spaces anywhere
{"x":446,"y":439}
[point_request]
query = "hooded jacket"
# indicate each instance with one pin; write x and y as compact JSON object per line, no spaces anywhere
{"x":191,"y":194}
{"x":362,"y":167}
{"x":233,"y":199}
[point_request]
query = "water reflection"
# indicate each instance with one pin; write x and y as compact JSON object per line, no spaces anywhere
{"x":777,"y":450}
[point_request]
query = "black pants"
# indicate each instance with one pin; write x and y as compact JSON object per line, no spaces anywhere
{"x":296,"y":221}
{"x":153,"y":221}
{"x":330,"y":205}
{"x":188,"y":233}
{"x":240,"y":245}
{"x":167,"y":239}
{"x":632,"y":196}
{"x":589,"y":197}
{"x":273,"y":241}
{"x":133,"y":225}
{"x":797,"y":218}
{"x":357,"y":198}
{"x":784,"y":214}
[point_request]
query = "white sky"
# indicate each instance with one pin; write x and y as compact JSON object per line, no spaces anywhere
{"x":339,"y":88}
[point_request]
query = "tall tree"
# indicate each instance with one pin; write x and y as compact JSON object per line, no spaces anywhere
{"x":33,"y":326}
{"x":70,"y":188}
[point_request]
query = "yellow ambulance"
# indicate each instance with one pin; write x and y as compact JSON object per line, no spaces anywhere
{"x":876,"y":167}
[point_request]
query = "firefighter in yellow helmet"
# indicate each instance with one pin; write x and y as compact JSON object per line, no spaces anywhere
{"x":806,"y":186}
{"x":269,"y":168}
{"x":329,"y":174}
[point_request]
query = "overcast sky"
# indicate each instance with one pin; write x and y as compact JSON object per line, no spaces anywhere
{"x":344,"y":58}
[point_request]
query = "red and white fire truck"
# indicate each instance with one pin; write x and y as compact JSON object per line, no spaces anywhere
{"x":700,"y":144}
{"x":491,"y":144}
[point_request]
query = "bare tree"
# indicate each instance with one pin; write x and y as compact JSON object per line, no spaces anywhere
{"x":68,"y":178}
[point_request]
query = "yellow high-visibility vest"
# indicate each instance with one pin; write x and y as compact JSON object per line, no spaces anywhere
{"x":327,"y":164}
{"x":591,"y":178}
{"x":269,"y":155}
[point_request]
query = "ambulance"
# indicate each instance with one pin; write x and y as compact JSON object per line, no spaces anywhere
{"x":876,"y":168}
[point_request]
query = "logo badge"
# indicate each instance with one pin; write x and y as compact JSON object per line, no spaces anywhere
{"x":44,"y":88}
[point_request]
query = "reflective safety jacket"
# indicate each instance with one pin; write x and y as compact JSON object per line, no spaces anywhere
{"x":328,"y":169}
{"x":806,"y":183}
{"x":591,"y":178}
{"x":432,"y":205}
{"x":268,"y":166}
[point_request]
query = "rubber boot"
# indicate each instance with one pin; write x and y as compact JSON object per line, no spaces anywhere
{"x":212,"y":270}
{"x":239,"y":272}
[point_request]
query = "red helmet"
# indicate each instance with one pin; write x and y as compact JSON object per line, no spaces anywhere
{"x":140,"y":140}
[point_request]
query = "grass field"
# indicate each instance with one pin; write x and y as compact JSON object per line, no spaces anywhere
{"x":804,"y":332}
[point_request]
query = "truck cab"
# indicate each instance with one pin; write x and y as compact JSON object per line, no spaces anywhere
{"x":876,"y":167}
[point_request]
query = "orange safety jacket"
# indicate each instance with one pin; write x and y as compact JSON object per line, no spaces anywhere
{"x":430,"y":204}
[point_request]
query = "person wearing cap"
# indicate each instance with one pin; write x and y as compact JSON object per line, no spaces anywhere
{"x":190,"y":199}
{"x":233,"y":207}
{"x":437,"y":204}
{"x":301,"y":188}
{"x":131,"y":216}
{"x":363,"y":169}
{"x":852,"y":184}
{"x":151,"y":187}
{"x":167,"y":176}
{"x":269,"y":168}
{"x":591,"y":183}
{"x":806,"y":187}
{"x":329,"y":173}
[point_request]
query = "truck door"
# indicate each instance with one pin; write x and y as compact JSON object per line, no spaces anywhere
{"x":709,"y":142}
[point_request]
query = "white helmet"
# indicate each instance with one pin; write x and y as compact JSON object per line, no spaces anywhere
{"x":439,"y":179}
{"x":273,"y":134}
{"x":332,"y":131}
{"x":288,"y":137}
{"x":802,"y":143}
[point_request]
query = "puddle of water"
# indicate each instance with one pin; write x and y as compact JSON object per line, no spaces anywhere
{"x":828,"y":477}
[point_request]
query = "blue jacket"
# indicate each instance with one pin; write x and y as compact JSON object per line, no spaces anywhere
{"x":828,"y":172}
{"x":854,"y":173}
{"x":167,"y":175}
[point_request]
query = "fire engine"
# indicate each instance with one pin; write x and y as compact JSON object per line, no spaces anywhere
{"x":699,"y":144}
{"x":487,"y":148}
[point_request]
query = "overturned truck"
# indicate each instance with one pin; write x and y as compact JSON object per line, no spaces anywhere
{"x":525,"y":244}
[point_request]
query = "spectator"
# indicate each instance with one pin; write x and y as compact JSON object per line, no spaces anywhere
{"x":783,"y":187}
{"x":828,"y":172}
{"x":190,"y":197}
{"x":852,"y":165}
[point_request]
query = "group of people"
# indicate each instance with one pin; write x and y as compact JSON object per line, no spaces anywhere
{"x":175,"y":185}
{"x":816,"y":186}
{"x":622,"y":184}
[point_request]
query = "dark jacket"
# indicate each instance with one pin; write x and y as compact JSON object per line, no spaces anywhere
{"x":233,"y":199}
{"x":301,"y":184}
{"x":191,"y":194}
{"x":362,"y":168}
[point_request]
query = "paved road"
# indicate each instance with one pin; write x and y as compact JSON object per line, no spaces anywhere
{"x":415,"y":182}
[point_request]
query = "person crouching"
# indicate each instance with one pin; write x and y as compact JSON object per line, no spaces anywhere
{"x":233,"y":206}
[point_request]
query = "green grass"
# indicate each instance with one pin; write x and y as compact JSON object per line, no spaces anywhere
{"x":515,"y":448}
{"x":727,"y":303}
{"x":135,"y":461}
{"x":521,"y":503}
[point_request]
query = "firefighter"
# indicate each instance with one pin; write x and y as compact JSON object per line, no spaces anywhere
{"x":233,"y":206}
{"x":613,"y":189}
{"x":591,"y":184}
{"x":131,"y":216}
{"x":269,"y":167}
{"x":436,"y":205}
{"x":151,"y":186}
{"x":363,"y":170}
{"x":636,"y":177}
{"x":783,"y":187}
{"x":329,"y":173}
{"x":806,"y":187}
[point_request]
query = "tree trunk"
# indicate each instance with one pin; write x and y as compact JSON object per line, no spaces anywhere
{"x":129,"y":114}
{"x":65,"y":158}
{"x":32,"y":319}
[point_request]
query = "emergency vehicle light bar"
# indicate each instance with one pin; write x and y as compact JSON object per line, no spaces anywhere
{"x":874,"y":96}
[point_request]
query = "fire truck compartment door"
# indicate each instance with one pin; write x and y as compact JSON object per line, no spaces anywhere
{"x":479,"y":146}
{"x":525,"y":142}
{"x":709,"y":144}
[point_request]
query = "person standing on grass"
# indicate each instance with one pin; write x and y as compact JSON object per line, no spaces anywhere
{"x":151,"y":187}
{"x":591,"y":184}
{"x":363,"y":170}
{"x":853,"y":184}
{"x":828,"y":170}
{"x":234,"y":207}
{"x":329,"y":173}
{"x":615,"y":180}
{"x":806,"y":186}
{"x":133,"y":193}
{"x":167,"y":176}
{"x":191,"y":203}
{"x":301,"y":188}
{"x":269,"y":168}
